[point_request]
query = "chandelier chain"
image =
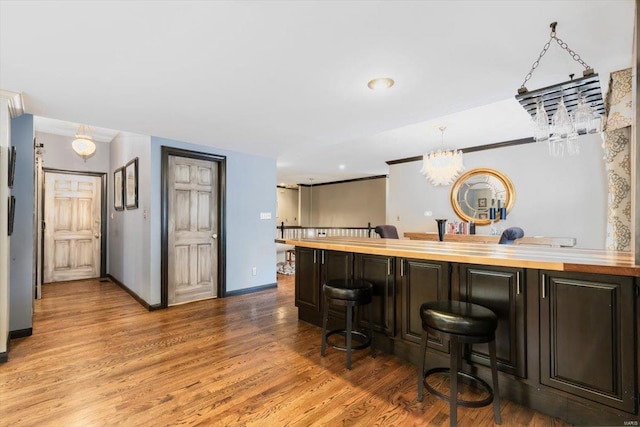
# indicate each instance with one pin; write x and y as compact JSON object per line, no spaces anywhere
{"x":537,"y":62}
{"x":563,"y":45}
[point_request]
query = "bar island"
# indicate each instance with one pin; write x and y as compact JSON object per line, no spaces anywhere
{"x":567,"y":337}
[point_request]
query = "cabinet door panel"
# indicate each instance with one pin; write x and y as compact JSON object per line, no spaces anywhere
{"x":335,"y":265}
{"x":422,"y":281}
{"x":587,"y":337}
{"x":501,"y":290}
{"x":379,"y":270}
{"x":307,"y":284}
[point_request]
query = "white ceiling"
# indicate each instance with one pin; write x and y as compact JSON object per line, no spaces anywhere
{"x":287,"y":79}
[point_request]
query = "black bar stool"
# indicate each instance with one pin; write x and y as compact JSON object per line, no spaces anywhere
{"x":461,"y":322}
{"x":348,"y":293}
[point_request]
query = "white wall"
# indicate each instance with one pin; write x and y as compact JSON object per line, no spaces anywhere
{"x":344,"y":204}
{"x":58,"y":154}
{"x":287,"y":208}
{"x":249,"y":240}
{"x":5,"y":137}
{"x":22,"y":240}
{"x":129,"y":230}
{"x":561,"y":197}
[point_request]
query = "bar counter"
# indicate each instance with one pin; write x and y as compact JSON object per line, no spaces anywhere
{"x":567,"y":337}
{"x":556,"y":259}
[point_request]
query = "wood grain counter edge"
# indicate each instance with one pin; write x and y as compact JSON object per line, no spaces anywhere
{"x":555,"y":259}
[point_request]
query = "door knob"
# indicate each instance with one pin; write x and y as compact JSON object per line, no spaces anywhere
{"x":214,"y":236}
{"x":97,"y":235}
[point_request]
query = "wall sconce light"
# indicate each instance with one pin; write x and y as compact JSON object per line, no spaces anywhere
{"x":83,"y":145}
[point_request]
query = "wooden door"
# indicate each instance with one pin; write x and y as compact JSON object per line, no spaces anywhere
{"x":422,"y":281}
{"x":502,"y":290}
{"x":587,"y":340}
{"x":379,"y":270}
{"x":307,"y":279}
{"x":72,"y":237}
{"x":192,"y":230}
{"x":335,"y":265}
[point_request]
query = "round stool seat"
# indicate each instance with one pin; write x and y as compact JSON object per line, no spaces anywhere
{"x":462,"y":323}
{"x":348,"y":293}
{"x":459,"y":318}
{"x":355,"y":290}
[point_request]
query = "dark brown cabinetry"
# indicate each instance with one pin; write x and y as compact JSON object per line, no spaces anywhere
{"x":567,"y":342}
{"x":313,"y":268}
{"x":503,"y":290}
{"x":422,"y":281}
{"x":380,"y":271}
{"x":587,"y":343}
{"x":307,"y":279}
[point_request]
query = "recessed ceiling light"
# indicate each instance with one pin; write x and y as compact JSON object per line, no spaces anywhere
{"x":380,"y":83}
{"x":342,"y":166}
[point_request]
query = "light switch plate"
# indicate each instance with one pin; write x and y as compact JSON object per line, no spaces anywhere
{"x":265,"y":215}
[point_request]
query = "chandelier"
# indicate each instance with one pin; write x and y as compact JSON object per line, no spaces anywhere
{"x":562,"y":112}
{"x":442,"y":167}
{"x":83,"y":145}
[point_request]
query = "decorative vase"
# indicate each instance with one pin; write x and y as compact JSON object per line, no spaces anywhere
{"x":441,"y":228}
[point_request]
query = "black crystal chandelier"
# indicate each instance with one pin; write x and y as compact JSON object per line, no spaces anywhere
{"x":565,"y":110}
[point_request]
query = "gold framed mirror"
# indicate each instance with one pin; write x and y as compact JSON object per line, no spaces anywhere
{"x":477,"y":190}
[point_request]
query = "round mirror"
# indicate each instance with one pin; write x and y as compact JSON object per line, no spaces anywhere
{"x":478,"y":190}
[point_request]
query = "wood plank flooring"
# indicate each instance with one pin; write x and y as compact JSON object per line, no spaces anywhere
{"x":98,"y":358}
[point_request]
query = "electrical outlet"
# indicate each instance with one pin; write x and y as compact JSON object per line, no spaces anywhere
{"x":265,"y":215}
{"x":254,"y":271}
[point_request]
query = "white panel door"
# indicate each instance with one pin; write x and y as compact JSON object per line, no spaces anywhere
{"x":72,"y":236}
{"x":192,"y":230}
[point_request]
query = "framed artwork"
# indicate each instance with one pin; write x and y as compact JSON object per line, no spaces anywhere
{"x":12,"y":214}
{"x":482,"y":202}
{"x":131,"y":184}
{"x":12,"y":165}
{"x":482,"y":215}
{"x":118,"y":189}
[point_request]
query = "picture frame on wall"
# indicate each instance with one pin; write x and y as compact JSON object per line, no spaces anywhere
{"x":12,"y":215}
{"x":118,"y":189}
{"x":482,"y":202}
{"x":12,"y":166}
{"x":131,"y":184}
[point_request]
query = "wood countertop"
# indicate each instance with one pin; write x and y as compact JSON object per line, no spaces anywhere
{"x":487,"y":238}
{"x":546,"y":258}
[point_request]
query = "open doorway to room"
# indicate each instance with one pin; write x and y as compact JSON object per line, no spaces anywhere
{"x":287,"y":214}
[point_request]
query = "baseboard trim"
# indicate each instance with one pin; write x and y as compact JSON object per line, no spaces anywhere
{"x":134,"y":295}
{"x":251,"y":290}
{"x":20,"y":333}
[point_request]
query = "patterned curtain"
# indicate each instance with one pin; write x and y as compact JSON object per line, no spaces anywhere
{"x":617,"y":137}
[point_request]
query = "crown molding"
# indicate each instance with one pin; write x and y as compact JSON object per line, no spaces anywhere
{"x":16,"y":102}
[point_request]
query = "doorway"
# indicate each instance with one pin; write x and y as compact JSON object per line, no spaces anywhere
{"x":192,"y":226}
{"x":74,"y":225}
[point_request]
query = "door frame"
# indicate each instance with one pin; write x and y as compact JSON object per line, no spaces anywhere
{"x":164,"y":221}
{"x":103,"y":215}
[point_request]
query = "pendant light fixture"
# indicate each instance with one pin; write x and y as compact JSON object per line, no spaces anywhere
{"x":566,"y":110}
{"x":83,"y":145}
{"x":442,"y":167}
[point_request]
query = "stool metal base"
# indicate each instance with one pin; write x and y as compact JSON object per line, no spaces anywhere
{"x":361,"y":337}
{"x":466,"y":403}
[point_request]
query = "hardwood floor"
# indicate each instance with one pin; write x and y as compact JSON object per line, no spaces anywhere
{"x":97,"y":357}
